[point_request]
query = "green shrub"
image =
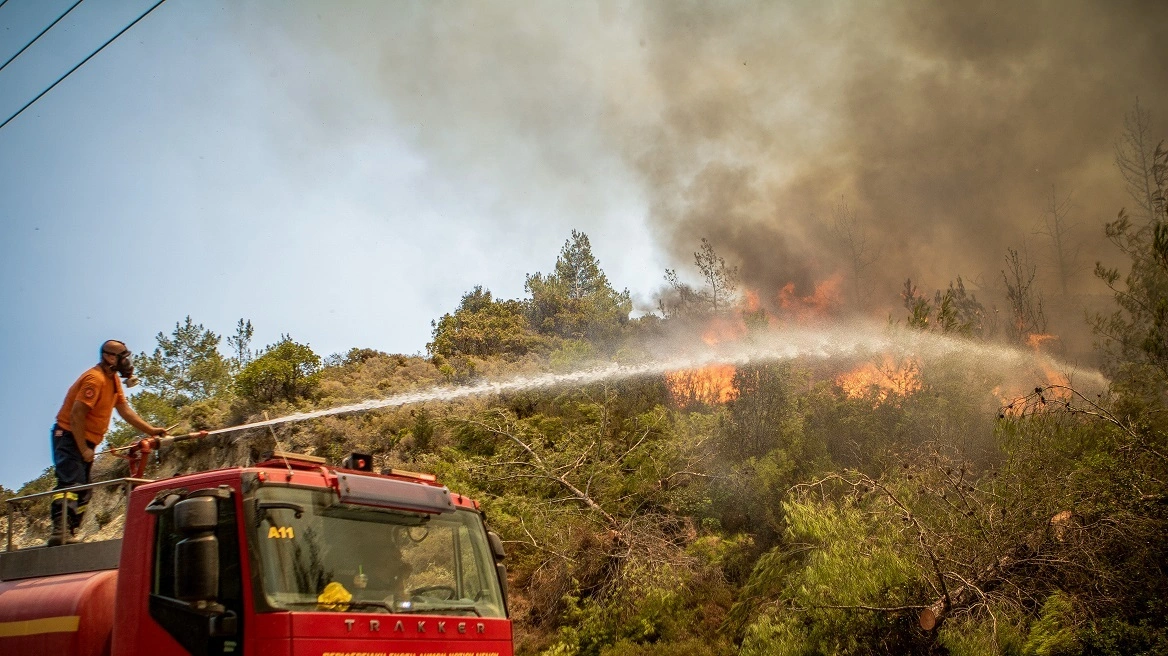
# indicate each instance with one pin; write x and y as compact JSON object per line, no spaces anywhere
{"x":285,"y":371}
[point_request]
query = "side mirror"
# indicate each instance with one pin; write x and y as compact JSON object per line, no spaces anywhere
{"x":497,"y":551}
{"x":496,"y":546}
{"x":196,"y":557}
{"x":162,"y":504}
{"x":501,"y":572}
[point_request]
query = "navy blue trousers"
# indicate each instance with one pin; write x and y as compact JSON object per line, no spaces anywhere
{"x":71,"y":470}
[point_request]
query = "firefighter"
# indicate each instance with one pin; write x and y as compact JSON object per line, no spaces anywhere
{"x":80,"y":428}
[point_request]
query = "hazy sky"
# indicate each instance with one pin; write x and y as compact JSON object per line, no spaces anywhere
{"x":344,"y":171}
{"x":187,"y":169}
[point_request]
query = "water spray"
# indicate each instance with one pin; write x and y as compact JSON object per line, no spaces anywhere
{"x":820,"y":343}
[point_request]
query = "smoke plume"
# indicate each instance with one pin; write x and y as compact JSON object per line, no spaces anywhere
{"x":874,"y":140}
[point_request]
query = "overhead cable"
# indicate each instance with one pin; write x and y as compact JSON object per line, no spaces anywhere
{"x":5,"y":64}
{"x":91,"y":55}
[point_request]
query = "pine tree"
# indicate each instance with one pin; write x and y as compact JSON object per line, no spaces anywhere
{"x":240,"y":344}
{"x":577,"y":300}
{"x":186,"y":366}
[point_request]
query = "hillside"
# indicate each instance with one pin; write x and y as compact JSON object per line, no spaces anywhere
{"x":925,"y":485}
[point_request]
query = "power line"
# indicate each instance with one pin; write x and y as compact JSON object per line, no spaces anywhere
{"x":5,"y":64}
{"x":91,"y":55}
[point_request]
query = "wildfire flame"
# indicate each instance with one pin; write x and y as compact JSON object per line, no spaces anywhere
{"x":1036,"y":340}
{"x":821,"y":303}
{"x":1056,"y":377}
{"x":723,"y":329}
{"x":891,"y":379}
{"x":714,"y":384}
{"x":708,"y":385}
{"x":750,"y":301}
{"x":784,"y":307}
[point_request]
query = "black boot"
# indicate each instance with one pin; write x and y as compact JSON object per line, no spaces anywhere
{"x":60,"y":533}
{"x":57,"y":538}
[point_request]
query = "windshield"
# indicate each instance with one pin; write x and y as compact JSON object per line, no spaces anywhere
{"x":317,"y":553}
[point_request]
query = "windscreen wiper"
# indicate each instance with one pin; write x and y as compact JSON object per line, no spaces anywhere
{"x":273,"y":505}
{"x":430,"y":607}
{"x":402,"y":607}
{"x":369,"y":604}
{"x":330,"y":605}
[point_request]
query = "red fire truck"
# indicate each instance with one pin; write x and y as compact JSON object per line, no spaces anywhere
{"x":290,"y":556}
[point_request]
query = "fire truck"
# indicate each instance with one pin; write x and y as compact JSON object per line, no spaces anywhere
{"x":290,"y":556}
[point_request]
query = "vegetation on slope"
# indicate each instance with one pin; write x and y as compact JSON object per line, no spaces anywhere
{"x":792,"y":517}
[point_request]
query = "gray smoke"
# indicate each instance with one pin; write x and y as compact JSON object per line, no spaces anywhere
{"x":944,"y":127}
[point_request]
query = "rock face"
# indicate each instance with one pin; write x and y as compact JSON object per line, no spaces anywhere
{"x":106,"y":516}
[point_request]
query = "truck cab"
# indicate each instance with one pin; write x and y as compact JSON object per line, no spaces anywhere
{"x":289,"y":556}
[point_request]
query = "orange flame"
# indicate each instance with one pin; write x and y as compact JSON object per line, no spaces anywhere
{"x":709,"y":385}
{"x":791,"y":307}
{"x":1043,"y":343}
{"x":750,"y":301}
{"x":714,"y":384}
{"x":1011,"y":400}
{"x":723,"y":329}
{"x":1056,"y":377}
{"x":824,"y":300}
{"x":1036,"y":340}
{"x":880,"y":383}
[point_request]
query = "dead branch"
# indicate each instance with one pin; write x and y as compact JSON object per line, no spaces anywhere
{"x":547,"y":471}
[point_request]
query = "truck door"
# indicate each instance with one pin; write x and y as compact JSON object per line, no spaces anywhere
{"x":213,"y":625}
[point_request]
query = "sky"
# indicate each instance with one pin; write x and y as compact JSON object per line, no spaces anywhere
{"x":343,"y":172}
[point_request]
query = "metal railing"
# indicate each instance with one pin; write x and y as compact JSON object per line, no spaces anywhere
{"x":126,"y":484}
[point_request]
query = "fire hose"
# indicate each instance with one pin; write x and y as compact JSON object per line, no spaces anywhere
{"x":138,"y":453}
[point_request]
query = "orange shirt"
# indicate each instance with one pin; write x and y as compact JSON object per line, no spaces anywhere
{"x":101,"y":392}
